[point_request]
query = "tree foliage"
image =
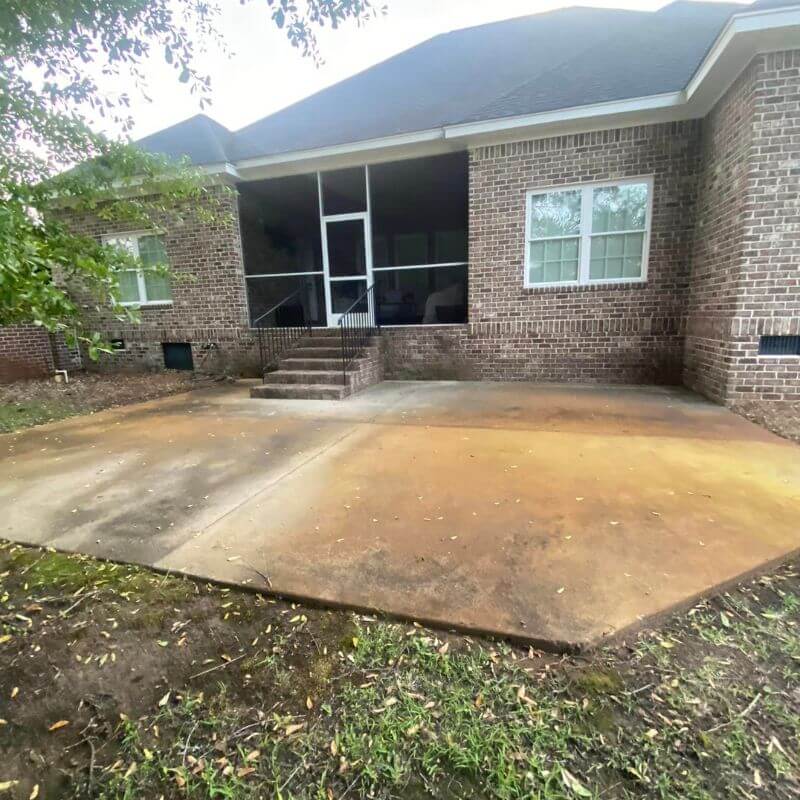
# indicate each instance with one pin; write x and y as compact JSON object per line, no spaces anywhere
{"x":50,"y":51}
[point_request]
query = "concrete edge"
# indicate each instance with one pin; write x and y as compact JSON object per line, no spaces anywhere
{"x":555,"y":646}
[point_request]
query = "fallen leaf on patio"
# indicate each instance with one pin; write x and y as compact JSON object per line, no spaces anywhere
{"x":573,"y":784}
{"x":560,"y":591}
{"x":579,"y":499}
{"x":234,"y":558}
{"x":164,"y":700}
{"x":62,"y":723}
{"x":614,"y":522}
{"x":14,"y":692}
{"x":34,"y":793}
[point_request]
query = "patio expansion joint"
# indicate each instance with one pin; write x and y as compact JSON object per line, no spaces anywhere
{"x":278,"y":478}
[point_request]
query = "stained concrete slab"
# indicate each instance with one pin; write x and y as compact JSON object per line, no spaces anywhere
{"x":563,"y":515}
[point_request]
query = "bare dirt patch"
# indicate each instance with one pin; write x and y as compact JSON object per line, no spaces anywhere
{"x":781,"y":417}
{"x":33,"y":402}
{"x":118,"y":682}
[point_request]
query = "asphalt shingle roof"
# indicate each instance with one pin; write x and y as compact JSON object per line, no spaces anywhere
{"x":559,"y":59}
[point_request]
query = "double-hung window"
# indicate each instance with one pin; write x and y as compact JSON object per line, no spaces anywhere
{"x":593,"y":233}
{"x":143,"y":287}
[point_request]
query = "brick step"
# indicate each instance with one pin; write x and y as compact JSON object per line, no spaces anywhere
{"x":305,"y":376}
{"x":303,"y":350}
{"x":325,"y":364}
{"x":300,"y":391}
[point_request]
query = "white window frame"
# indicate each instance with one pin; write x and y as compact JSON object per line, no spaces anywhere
{"x":585,"y":234}
{"x":134,"y":237}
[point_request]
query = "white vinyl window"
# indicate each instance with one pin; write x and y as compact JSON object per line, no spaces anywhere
{"x":592,"y":233}
{"x":139,"y":287}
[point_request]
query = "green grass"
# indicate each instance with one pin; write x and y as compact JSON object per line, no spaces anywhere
{"x":307,"y":704}
{"x":15,"y":416}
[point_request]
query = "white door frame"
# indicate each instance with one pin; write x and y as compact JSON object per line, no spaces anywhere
{"x":324,"y":220}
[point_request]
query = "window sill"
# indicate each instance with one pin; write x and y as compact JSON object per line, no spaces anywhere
{"x":552,"y":288}
{"x":153,"y":304}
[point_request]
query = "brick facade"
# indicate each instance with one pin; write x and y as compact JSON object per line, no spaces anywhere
{"x":722,"y":270}
{"x":25,"y":352}
{"x":209,"y":305}
{"x":746,"y":273}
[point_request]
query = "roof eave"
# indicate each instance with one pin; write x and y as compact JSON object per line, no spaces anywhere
{"x":744,"y":36}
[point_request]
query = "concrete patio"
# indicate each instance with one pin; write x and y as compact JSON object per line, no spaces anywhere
{"x":562,"y":515}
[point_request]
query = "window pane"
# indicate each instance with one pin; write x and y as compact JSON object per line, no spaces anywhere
{"x":555,"y":214}
{"x":553,"y":260}
{"x":151,"y":251}
{"x":157,"y":287}
{"x":344,"y":191}
{"x":436,"y":295}
{"x":619,"y":208}
{"x":616,"y":256}
{"x":129,"y":286}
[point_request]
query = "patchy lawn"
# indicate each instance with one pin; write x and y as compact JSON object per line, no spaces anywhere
{"x":33,"y":402}
{"x":781,"y":417}
{"x":118,"y":682}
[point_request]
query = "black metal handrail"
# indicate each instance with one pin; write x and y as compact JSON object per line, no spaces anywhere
{"x":357,"y":325}
{"x":274,"y":339}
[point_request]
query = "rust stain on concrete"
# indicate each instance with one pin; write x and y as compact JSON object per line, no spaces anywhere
{"x":559,"y":514}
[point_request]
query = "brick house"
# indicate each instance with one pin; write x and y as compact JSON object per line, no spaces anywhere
{"x":587,"y":194}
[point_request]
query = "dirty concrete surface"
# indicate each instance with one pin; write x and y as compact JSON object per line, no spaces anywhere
{"x":559,"y":514}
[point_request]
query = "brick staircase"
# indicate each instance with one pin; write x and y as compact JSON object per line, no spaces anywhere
{"x":311,"y":369}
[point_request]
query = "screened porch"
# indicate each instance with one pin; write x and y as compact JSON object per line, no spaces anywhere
{"x":321,"y":239}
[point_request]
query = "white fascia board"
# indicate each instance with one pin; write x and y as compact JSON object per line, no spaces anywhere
{"x":223,"y":171}
{"x":339,"y":154}
{"x":564,"y":116}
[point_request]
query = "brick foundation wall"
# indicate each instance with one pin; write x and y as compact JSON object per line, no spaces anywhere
{"x":25,"y":352}
{"x":745,"y":278}
{"x":209,"y":306}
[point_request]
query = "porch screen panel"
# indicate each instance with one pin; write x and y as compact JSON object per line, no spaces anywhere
{"x":279,"y":221}
{"x":419,"y":240}
{"x":307,"y":306}
{"x":282,"y":249}
{"x":431,"y":296}
{"x":419,"y":211}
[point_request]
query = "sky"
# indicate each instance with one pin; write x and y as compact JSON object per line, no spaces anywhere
{"x":262,"y":73}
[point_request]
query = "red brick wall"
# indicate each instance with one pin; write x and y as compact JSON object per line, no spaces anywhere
{"x":615,"y":334}
{"x":746,"y":274}
{"x":209,"y":307}
{"x":24,"y":353}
